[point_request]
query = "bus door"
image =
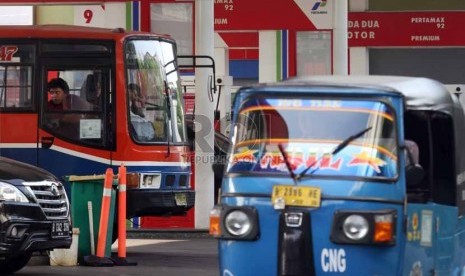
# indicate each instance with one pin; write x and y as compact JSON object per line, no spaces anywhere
{"x":77,"y":137}
{"x":18,"y":118}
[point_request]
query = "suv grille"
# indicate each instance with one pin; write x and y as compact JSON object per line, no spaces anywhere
{"x":52,"y":198}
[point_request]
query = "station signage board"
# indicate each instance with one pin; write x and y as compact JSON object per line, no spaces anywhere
{"x":406,"y":29}
{"x":40,"y":2}
{"x":272,"y":15}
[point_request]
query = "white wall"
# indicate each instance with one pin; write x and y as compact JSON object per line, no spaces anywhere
{"x":267,"y":67}
{"x":16,"y":15}
{"x":115,"y":15}
{"x":109,"y":15}
{"x":358,"y":5}
{"x":221,"y":56}
{"x":358,"y":57}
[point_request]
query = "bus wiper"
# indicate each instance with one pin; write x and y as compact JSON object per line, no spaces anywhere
{"x":168,"y":107}
{"x":152,"y":104}
{"x":337,"y":149}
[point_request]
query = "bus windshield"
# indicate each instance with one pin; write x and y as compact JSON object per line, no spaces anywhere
{"x":154,"y":106}
{"x":310,"y":129}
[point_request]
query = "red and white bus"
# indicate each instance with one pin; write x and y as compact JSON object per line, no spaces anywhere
{"x":99,"y":65}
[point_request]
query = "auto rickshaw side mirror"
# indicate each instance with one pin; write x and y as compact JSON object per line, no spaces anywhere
{"x":414,"y":174}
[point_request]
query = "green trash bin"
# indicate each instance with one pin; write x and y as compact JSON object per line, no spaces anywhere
{"x":84,"y":189}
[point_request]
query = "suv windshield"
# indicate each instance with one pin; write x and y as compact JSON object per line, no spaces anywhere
{"x":310,"y":129}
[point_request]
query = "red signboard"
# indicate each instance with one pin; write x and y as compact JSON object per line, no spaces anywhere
{"x":260,"y":15}
{"x":189,"y":103}
{"x":406,"y":29}
{"x":39,"y":2}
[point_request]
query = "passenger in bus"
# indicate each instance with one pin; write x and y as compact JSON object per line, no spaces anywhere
{"x":91,"y":90}
{"x":142,"y":128}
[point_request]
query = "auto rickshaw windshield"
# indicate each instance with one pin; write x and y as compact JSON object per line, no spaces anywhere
{"x":310,"y":129}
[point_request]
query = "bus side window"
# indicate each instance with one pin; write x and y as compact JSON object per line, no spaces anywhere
{"x":16,"y":87}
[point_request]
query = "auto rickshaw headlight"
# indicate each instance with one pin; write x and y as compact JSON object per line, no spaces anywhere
{"x":375,"y":227}
{"x":355,"y":227}
{"x":238,"y":222}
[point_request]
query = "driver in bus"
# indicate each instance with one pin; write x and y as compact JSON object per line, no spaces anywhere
{"x":61,"y":100}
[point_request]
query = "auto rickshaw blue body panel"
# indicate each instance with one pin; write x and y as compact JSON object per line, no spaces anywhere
{"x":243,"y":258}
{"x":428,"y":235}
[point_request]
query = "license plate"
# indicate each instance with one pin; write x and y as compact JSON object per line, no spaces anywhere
{"x":60,"y":229}
{"x":297,"y":195}
{"x":181,"y":199}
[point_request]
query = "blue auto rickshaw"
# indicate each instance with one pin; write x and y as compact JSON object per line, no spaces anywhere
{"x":355,"y":175}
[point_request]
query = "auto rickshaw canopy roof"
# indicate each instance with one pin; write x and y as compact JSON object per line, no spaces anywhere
{"x":419,"y":93}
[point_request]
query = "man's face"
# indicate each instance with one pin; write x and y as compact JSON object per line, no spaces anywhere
{"x":135,"y":97}
{"x":57,"y":95}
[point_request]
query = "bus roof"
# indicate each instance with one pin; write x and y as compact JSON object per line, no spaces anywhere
{"x":68,"y":31}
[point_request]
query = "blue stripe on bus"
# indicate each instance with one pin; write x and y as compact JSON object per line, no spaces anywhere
{"x":64,"y":164}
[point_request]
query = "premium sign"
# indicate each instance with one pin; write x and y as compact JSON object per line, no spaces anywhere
{"x":406,"y":29}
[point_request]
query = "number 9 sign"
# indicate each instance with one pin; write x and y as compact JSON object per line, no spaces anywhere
{"x":88,"y":14}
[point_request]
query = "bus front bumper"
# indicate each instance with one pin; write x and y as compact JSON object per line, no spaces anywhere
{"x":154,"y":202}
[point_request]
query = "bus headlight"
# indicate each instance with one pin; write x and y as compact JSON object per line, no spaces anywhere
{"x":238,"y":223}
{"x":150,"y":180}
{"x":9,"y":192}
{"x":375,"y":227}
{"x":355,"y":227}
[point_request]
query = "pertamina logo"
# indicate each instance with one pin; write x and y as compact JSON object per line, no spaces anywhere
{"x":319,"y":7}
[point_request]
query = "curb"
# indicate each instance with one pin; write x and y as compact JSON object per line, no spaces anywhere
{"x":167,"y":234}
{"x":39,"y":258}
{"x":42,"y":258}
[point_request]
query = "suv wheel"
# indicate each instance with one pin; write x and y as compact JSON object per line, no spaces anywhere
{"x":14,"y":264}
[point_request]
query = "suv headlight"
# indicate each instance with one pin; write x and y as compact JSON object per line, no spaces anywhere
{"x":9,"y":192}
